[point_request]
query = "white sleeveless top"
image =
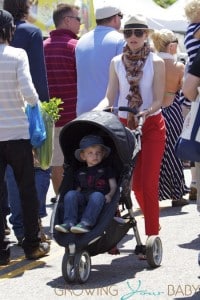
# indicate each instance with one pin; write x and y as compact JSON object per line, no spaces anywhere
{"x":146,"y":83}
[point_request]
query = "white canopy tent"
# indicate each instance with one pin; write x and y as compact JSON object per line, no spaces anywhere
{"x":175,"y":15}
{"x":145,"y":7}
{"x":172,"y":18}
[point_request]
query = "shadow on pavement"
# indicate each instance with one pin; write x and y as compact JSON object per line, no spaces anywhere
{"x":194,"y":244}
{"x":113,"y":273}
{"x":171,"y":211}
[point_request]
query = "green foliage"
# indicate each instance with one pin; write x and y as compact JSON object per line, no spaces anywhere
{"x":51,"y":114}
{"x":53,"y":108}
{"x":164,"y":3}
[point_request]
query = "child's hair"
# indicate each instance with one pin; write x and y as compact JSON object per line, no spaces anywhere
{"x":162,"y":38}
{"x":192,"y":11}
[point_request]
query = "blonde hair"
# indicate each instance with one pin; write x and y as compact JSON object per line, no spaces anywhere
{"x":192,"y":11}
{"x":162,"y":38}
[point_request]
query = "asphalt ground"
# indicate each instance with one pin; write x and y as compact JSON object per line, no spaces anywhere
{"x":115,"y":277}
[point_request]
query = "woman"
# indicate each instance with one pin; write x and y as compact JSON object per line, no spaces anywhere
{"x":141,"y":86}
{"x":172,"y":181}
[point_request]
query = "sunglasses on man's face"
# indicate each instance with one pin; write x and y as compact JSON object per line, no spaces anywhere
{"x":120,"y":15}
{"x":137,"y":32}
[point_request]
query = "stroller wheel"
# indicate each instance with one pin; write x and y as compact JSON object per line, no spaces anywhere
{"x":154,"y":251}
{"x":68,"y":270}
{"x":82,"y":263}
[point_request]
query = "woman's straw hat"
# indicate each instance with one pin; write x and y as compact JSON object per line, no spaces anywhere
{"x":137,"y":21}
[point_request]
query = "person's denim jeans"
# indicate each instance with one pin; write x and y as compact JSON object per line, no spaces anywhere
{"x":5,"y":204}
{"x":19,"y":155}
{"x":79,"y":207}
{"x":42,"y":181}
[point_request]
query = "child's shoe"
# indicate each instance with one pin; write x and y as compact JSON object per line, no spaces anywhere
{"x":80,"y":228}
{"x":65,"y":228}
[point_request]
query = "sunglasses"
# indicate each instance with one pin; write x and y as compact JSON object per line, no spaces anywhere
{"x":137,"y":32}
{"x":120,"y":15}
{"x":174,"y":41}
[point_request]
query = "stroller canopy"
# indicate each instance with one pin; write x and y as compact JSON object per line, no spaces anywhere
{"x":107,"y":125}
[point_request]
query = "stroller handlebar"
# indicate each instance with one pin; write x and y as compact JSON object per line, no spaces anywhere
{"x":128,"y":109}
{"x":113,"y":109}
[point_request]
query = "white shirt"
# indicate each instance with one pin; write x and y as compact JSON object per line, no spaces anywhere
{"x":16,"y":87}
{"x":146,"y":83}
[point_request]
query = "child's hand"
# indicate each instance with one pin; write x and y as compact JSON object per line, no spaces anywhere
{"x":108,"y":198}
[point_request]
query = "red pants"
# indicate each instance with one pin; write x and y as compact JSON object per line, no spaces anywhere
{"x":147,"y":171}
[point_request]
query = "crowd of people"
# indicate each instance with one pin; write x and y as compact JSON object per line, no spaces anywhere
{"x":111,"y":65}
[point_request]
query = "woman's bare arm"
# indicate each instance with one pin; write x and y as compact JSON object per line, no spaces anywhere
{"x":190,"y":85}
{"x":158,"y":84}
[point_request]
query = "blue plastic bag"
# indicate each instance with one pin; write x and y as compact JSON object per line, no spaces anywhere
{"x":36,"y":125}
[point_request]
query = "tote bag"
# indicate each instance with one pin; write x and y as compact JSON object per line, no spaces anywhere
{"x":188,"y":144}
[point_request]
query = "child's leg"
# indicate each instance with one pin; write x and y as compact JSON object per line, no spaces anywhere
{"x":93,"y":208}
{"x":73,"y":201}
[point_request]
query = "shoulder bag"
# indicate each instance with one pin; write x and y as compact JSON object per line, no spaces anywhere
{"x":188,"y":144}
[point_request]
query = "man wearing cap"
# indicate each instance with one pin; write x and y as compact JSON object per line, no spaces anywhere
{"x":95,"y":185}
{"x":94,"y":52}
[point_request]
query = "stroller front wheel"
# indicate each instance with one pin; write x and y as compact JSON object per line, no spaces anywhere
{"x":82,"y":264}
{"x":154,"y":251}
{"x":68,"y":270}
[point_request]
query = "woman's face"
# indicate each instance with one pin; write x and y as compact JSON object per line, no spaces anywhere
{"x":135,"y":38}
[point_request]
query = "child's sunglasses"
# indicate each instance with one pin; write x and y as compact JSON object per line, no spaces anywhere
{"x":137,"y":32}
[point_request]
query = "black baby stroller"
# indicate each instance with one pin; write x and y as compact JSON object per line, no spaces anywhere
{"x":109,"y":230}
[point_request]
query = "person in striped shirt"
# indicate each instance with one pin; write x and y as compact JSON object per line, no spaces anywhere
{"x":192,"y":36}
{"x":192,"y":44}
{"x":16,"y":88}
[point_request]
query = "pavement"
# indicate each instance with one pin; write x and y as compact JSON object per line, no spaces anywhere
{"x":116,"y":277}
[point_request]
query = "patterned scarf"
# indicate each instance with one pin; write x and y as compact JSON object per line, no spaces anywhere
{"x":134,"y":63}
